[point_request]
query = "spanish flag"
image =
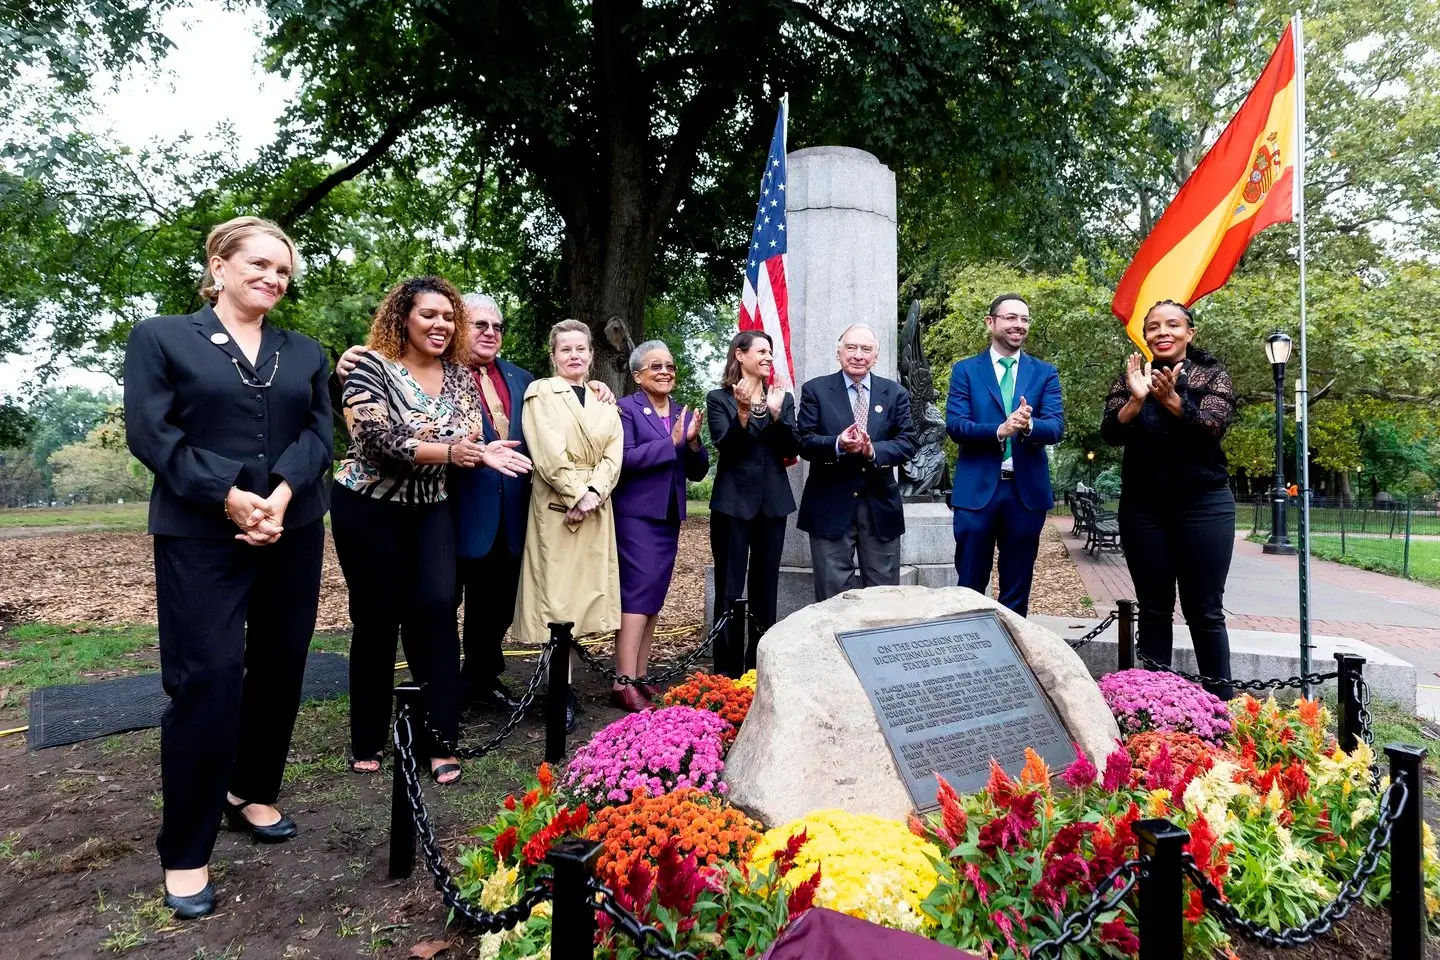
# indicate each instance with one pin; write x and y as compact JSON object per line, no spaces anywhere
{"x":1243,"y":185}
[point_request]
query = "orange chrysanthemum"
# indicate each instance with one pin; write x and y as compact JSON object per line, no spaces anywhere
{"x":701,"y":823}
{"x":716,"y":693}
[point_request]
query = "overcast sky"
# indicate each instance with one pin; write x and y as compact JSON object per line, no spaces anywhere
{"x":211,"y":75}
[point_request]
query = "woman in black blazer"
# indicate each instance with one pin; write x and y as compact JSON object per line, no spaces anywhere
{"x":753,"y":429}
{"x":232,"y":415}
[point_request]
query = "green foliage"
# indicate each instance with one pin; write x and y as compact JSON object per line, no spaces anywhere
{"x":42,"y":655}
{"x":16,"y":425}
{"x":99,"y":468}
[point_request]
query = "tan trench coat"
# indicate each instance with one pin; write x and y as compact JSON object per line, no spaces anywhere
{"x":569,"y":571}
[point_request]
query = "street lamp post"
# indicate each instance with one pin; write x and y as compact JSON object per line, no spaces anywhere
{"x":1277,"y":350}
{"x":1090,"y":462}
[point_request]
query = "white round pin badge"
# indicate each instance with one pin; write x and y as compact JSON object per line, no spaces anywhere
{"x":648,"y":411}
{"x":879,"y":408}
{"x":218,"y":338}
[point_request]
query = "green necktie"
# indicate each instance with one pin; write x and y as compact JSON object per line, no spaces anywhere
{"x":1007,"y":392}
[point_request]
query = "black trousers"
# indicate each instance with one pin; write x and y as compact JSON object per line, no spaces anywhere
{"x":235,"y":626}
{"x":1187,"y":544}
{"x":737,"y":546}
{"x":488,"y":585}
{"x":399,"y":565}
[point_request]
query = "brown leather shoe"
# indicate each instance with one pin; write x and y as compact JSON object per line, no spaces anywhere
{"x":650,"y":692}
{"x":629,"y":699}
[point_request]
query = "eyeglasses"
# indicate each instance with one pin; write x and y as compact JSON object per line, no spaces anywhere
{"x":482,"y":325}
{"x":661,"y":367}
{"x":1012,"y":317}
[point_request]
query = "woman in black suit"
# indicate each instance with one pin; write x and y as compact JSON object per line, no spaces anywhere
{"x":232,"y":416}
{"x":753,"y":429}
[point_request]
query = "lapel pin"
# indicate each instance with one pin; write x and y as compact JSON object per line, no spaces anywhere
{"x":879,"y":408}
{"x":648,"y":411}
{"x":219,"y":338}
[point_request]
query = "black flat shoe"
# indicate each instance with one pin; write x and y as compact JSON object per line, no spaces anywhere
{"x":494,"y":693}
{"x":277,"y":832}
{"x":194,"y":906}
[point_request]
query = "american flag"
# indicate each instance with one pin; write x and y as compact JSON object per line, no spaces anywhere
{"x":765,"y":302}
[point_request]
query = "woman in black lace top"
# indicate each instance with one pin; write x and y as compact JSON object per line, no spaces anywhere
{"x":1177,"y":515}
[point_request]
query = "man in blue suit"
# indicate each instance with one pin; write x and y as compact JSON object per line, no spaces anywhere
{"x":490,"y":513}
{"x":855,"y":429}
{"x":1003,"y":410}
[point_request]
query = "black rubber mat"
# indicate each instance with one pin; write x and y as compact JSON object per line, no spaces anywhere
{"x":61,"y":715}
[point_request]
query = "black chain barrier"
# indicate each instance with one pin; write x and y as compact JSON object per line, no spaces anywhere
{"x":1367,"y":732}
{"x":650,"y":940}
{"x":532,"y":689}
{"x":1080,"y":924}
{"x":1099,"y":628}
{"x":1296,"y":682}
{"x":676,"y":669}
{"x":506,"y":919}
{"x":1350,"y":891}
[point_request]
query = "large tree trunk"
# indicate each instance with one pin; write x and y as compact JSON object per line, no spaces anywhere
{"x":609,"y":275}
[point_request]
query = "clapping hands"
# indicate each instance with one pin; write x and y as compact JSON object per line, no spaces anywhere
{"x":684,"y":431}
{"x":854,"y":440}
{"x":1146,"y":380}
{"x":1018,"y":421}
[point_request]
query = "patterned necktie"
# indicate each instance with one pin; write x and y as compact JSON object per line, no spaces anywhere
{"x":493,"y":404}
{"x":862,"y":410}
{"x":1007,"y":392}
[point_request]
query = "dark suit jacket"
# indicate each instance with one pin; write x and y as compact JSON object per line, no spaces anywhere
{"x":750,"y":470}
{"x":653,"y":473}
{"x":838,"y":481}
{"x":191,"y":419}
{"x":974,"y":411}
{"x":481,"y":497}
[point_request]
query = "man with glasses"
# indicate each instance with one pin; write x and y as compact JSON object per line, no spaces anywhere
{"x":1004,"y":408}
{"x":489,"y":508}
{"x":855,"y":429}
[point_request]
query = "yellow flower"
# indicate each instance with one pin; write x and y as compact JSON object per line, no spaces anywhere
{"x":1159,"y":802}
{"x":746,"y":681}
{"x":1275,"y":800}
{"x":871,"y":868}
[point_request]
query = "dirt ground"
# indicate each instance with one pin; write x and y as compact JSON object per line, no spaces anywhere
{"x":78,"y":872}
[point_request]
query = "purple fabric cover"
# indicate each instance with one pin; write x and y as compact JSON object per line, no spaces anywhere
{"x":821,"y":934}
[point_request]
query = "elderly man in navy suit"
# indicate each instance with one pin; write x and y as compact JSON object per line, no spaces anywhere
{"x":855,"y":429}
{"x":1003,"y":410}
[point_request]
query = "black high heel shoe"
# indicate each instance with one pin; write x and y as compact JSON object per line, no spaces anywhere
{"x":194,"y":906}
{"x":277,"y":832}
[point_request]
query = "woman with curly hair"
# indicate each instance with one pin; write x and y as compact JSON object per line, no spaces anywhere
{"x":1177,"y":514}
{"x":413,"y":411}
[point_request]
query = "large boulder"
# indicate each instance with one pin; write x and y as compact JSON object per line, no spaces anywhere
{"x":811,"y":740}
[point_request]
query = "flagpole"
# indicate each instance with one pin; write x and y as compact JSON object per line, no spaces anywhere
{"x":1302,"y":388}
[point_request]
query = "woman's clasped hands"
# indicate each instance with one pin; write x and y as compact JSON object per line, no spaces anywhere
{"x":261,"y":519}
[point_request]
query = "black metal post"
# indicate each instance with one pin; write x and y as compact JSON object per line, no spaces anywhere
{"x":1352,"y":670}
{"x":402,"y":819}
{"x":572,"y":925}
{"x":557,"y":690}
{"x":1162,"y":882}
{"x":1407,"y":874}
{"x":1279,"y":542}
{"x":1125,"y":632}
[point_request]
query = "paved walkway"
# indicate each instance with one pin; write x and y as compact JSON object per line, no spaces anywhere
{"x":1262,"y":593}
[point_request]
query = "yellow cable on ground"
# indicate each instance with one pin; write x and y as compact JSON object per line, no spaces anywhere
{"x":6,"y":733}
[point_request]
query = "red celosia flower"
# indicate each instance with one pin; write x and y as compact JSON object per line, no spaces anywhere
{"x":1294,"y":782}
{"x":531,"y":799}
{"x":1081,"y":773}
{"x":546,"y":777}
{"x":785,"y":861}
{"x":982,"y":889}
{"x":1116,"y":934}
{"x":1067,"y":839}
{"x":1195,"y":910}
{"x":953,"y":822}
{"x":1160,"y":775}
{"x":510,"y":801}
{"x":917,"y":826}
{"x":504,"y":844}
{"x":802,"y":898}
{"x":1008,"y":830}
{"x":678,"y":881}
{"x":634,"y":895}
{"x":1000,"y":787}
{"x":1002,"y":921}
{"x":1117,"y":769}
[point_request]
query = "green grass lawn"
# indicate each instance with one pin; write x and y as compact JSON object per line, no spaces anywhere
{"x":1381,"y":554}
{"x":125,"y":517}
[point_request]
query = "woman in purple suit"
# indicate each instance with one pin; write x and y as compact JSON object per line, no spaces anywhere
{"x":662,"y":451}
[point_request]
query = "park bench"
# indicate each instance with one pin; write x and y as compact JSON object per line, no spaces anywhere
{"x":1100,"y":527}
